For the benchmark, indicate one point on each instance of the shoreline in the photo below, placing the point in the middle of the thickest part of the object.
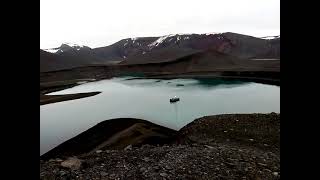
(49, 99)
(269, 81)
(131, 128)
(54, 86)
(113, 134)
(244, 145)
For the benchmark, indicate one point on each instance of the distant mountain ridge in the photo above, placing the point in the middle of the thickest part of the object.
(67, 47)
(144, 50)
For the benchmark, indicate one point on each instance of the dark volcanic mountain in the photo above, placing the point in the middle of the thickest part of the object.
(51, 62)
(66, 57)
(145, 50)
(54, 62)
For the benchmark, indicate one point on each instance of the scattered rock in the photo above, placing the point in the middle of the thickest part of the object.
(203, 156)
(72, 163)
(230, 164)
(268, 170)
(62, 173)
(59, 160)
(163, 174)
(129, 147)
(143, 169)
(102, 173)
(261, 164)
(146, 159)
(207, 146)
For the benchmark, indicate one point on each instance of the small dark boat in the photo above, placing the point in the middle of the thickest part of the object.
(175, 99)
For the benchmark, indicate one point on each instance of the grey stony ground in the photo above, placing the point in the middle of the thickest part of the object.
(200, 154)
(171, 162)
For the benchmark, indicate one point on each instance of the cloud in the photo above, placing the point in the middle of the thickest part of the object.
(99, 22)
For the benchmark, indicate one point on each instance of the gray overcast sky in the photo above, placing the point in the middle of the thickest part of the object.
(98, 23)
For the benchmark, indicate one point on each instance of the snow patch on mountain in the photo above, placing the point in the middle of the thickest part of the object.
(160, 40)
(212, 33)
(60, 49)
(134, 39)
(52, 50)
(270, 37)
(73, 45)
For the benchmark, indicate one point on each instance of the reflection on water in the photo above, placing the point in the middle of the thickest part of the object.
(149, 99)
(190, 83)
(220, 83)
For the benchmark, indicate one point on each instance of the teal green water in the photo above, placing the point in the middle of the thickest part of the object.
(149, 99)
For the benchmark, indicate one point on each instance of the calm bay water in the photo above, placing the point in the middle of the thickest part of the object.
(149, 99)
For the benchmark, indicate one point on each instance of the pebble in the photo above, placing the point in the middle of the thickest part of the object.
(129, 147)
(62, 173)
(72, 163)
(59, 160)
(268, 170)
(103, 173)
(163, 174)
(146, 159)
(261, 164)
(143, 169)
(207, 146)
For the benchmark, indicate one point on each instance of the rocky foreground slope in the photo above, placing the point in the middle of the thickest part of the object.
(236, 146)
